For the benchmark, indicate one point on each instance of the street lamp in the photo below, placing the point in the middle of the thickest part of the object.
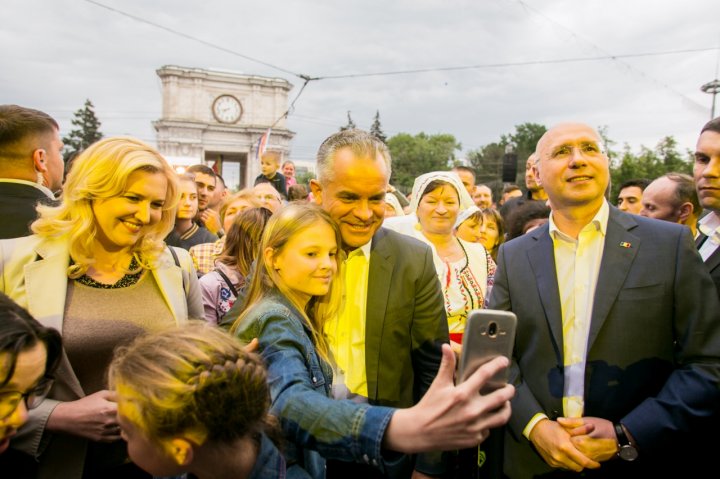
(713, 88)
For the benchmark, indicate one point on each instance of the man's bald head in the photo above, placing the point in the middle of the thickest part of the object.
(572, 166)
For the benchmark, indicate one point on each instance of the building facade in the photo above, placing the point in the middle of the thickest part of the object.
(217, 118)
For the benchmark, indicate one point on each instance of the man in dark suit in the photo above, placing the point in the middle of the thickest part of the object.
(707, 182)
(617, 351)
(31, 166)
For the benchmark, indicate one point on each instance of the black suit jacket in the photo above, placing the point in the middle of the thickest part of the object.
(712, 263)
(17, 208)
(653, 357)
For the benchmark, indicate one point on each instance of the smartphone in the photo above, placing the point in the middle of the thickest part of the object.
(488, 334)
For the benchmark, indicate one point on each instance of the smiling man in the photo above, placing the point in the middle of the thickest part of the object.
(386, 340)
(616, 356)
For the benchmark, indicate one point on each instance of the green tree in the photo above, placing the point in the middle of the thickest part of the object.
(650, 163)
(304, 178)
(376, 129)
(415, 155)
(86, 132)
(609, 144)
(524, 141)
(487, 162)
(350, 123)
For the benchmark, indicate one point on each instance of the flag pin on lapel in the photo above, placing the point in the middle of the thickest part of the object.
(625, 244)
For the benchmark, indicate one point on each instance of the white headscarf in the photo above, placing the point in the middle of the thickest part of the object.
(392, 200)
(422, 181)
(465, 214)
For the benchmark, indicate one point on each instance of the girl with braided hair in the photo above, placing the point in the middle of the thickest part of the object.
(192, 400)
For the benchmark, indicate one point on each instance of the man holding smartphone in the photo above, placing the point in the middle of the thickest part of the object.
(617, 352)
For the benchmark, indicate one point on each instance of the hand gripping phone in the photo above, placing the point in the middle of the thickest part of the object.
(488, 334)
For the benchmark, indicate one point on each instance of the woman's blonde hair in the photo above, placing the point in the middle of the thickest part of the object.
(102, 172)
(283, 225)
(195, 378)
(246, 194)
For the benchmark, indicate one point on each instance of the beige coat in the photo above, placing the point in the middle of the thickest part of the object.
(33, 272)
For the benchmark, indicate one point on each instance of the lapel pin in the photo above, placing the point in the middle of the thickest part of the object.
(625, 244)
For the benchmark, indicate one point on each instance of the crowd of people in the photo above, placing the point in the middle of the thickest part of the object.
(157, 324)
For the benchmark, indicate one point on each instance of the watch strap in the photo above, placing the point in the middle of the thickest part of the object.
(622, 438)
(626, 450)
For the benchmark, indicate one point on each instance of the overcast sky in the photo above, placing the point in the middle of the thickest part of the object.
(56, 53)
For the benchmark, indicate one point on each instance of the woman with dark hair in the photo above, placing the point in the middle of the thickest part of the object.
(29, 354)
(492, 231)
(220, 287)
(526, 217)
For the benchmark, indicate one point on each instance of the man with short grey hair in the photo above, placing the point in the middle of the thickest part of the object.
(386, 340)
(31, 166)
(672, 197)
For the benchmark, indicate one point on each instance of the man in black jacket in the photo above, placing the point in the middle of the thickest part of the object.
(31, 166)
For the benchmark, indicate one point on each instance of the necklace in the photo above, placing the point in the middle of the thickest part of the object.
(128, 279)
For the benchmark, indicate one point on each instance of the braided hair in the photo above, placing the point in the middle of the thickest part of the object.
(194, 378)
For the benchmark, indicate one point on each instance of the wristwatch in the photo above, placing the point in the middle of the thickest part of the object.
(626, 450)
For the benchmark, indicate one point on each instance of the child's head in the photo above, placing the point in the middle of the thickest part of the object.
(492, 231)
(242, 241)
(469, 224)
(300, 256)
(183, 388)
(270, 163)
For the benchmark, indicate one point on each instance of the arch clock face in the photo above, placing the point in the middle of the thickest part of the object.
(226, 109)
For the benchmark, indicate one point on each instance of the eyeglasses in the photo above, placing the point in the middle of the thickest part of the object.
(9, 400)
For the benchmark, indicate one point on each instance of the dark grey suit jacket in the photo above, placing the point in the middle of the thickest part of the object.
(404, 328)
(405, 320)
(653, 357)
(712, 263)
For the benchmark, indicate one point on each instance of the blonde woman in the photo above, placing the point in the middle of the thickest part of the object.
(97, 270)
(191, 400)
(295, 291)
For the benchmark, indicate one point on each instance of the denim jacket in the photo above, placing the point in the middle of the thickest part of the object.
(316, 426)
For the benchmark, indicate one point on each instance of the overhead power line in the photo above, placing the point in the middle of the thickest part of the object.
(616, 58)
(518, 63)
(199, 40)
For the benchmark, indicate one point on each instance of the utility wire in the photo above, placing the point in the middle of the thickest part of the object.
(196, 39)
(516, 64)
(717, 62)
(614, 57)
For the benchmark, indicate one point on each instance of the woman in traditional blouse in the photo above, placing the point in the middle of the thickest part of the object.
(97, 270)
(465, 269)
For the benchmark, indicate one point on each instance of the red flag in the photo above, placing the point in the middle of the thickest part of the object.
(262, 144)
